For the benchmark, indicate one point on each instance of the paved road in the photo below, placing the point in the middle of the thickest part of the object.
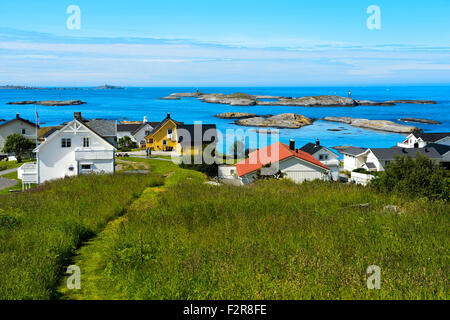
(7, 183)
(7, 171)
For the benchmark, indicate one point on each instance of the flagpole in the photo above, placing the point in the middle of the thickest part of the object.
(37, 120)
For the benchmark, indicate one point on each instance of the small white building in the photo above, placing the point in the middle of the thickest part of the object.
(17, 125)
(325, 156)
(375, 159)
(136, 131)
(73, 150)
(293, 163)
(422, 139)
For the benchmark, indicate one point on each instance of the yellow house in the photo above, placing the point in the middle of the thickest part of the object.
(163, 136)
(184, 139)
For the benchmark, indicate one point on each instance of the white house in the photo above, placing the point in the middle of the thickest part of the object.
(375, 159)
(421, 139)
(325, 156)
(17, 125)
(73, 150)
(354, 158)
(293, 163)
(136, 131)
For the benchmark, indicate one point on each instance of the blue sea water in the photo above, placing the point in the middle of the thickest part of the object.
(135, 103)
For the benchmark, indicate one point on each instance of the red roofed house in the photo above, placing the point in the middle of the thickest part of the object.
(295, 164)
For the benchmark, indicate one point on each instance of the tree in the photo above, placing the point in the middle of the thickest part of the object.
(419, 177)
(238, 149)
(18, 145)
(127, 143)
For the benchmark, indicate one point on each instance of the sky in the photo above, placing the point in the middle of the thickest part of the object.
(224, 43)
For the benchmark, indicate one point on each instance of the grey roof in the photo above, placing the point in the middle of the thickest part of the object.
(105, 128)
(354, 151)
(311, 148)
(20, 119)
(49, 132)
(187, 135)
(432, 136)
(391, 153)
(128, 127)
(440, 148)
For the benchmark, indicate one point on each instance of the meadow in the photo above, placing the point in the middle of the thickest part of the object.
(41, 229)
(269, 240)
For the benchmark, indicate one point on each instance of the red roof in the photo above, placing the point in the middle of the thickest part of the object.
(272, 154)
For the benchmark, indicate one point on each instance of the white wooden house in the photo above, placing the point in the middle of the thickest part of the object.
(325, 156)
(17, 125)
(73, 150)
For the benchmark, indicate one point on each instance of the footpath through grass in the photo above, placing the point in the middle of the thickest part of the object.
(268, 240)
(41, 229)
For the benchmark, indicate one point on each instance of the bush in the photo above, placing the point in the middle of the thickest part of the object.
(417, 178)
(127, 143)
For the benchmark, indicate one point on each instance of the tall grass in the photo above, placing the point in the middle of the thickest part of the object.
(272, 240)
(41, 229)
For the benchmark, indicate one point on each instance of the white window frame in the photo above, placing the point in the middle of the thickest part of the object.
(84, 140)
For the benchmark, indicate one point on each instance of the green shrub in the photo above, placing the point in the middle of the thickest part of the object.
(419, 177)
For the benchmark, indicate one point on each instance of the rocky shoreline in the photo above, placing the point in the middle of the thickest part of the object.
(380, 125)
(420, 120)
(56, 103)
(243, 99)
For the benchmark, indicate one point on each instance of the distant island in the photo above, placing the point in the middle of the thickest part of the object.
(50, 103)
(108, 87)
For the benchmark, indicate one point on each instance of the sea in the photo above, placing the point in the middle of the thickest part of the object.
(133, 103)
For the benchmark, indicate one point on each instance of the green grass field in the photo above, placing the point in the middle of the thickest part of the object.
(40, 230)
(168, 235)
(270, 240)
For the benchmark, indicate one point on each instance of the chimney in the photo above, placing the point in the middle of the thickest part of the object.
(17, 116)
(77, 116)
(168, 115)
(145, 119)
(292, 144)
(317, 142)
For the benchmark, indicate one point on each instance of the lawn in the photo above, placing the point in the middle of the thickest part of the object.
(4, 165)
(269, 240)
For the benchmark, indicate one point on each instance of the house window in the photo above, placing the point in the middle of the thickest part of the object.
(323, 157)
(86, 142)
(169, 131)
(164, 142)
(147, 132)
(86, 167)
(24, 131)
(66, 142)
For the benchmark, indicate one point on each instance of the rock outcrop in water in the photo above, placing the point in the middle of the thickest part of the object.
(244, 99)
(50, 103)
(285, 120)
(420, 120)
(381, 125)
(235, 115)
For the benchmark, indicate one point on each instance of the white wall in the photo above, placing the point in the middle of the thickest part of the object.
(54, 161)
(16, 126)
(227, 172)
(295, 169)
(140, 135)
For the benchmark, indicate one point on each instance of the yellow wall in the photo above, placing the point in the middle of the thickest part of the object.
(161, 135)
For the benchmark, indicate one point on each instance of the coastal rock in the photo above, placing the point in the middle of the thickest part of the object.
(313, 101)
(381, 125)
(50, 103)
(374, 103)
(419, 120)
(235, 115)
(186, 94)
(412, 101)
(285, 120)
(235, 99)
(169, 98)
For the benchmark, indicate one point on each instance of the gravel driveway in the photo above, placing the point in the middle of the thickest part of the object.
(6, 183)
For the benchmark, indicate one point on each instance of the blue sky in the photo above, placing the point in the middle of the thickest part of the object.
(224, 43)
